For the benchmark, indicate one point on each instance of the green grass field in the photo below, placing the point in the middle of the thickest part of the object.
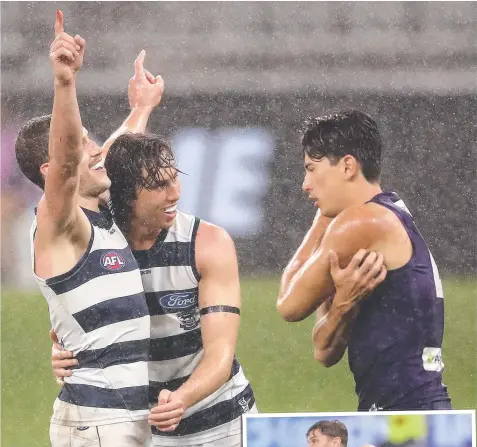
(276, 356)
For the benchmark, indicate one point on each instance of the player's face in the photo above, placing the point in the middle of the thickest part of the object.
(324, 186)
(93, 177)
(318, 439)
(156, 208)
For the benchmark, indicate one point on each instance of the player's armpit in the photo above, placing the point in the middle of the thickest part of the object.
(218, 286)
(352, 230)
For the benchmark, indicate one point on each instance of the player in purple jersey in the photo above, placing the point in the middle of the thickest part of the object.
(394, 336)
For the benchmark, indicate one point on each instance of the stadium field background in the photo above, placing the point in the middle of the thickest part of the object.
(276, 356)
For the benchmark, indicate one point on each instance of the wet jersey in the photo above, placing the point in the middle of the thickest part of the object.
(171, 281)
(99, 312)
(395, 345)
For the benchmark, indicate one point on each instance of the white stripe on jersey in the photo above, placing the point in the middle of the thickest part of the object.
(164, 326)
(123, 376)
(119, 333)
(100, 289)
(168, 278)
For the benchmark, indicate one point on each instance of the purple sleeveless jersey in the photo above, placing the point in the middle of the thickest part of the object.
(395, 345)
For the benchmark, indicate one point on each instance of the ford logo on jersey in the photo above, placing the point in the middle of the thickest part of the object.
(180, 300)
(112, 261)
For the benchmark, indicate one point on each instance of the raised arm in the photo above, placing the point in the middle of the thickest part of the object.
(349, 232)
(219, 301)
(144, 92)
(66, 132)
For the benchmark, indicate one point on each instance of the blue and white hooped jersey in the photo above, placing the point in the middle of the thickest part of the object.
(98, 310)
(171, 280)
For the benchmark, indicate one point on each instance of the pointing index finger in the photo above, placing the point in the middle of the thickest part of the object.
(139, 65)
(59, 22)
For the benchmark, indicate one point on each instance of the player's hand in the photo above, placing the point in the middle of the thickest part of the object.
(66, 52)
(144, 89)
(168, 413)
(61, 360)
(362, 275)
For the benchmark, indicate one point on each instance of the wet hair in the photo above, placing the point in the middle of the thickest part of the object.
(31, 148)
(349, 132)
(334, 429)
(134, 162)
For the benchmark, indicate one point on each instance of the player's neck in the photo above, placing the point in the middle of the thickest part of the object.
(364, 193)
(90, 203)
(141, 236)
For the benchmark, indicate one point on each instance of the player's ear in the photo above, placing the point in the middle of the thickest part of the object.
(350, 166)
(44, 169)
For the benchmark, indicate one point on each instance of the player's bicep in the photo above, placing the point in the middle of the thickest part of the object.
(61, 193)
(219, 292)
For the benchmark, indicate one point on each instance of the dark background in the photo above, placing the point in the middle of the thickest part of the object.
(429, 158)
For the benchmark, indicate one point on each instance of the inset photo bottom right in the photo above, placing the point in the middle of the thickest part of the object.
(386, 429)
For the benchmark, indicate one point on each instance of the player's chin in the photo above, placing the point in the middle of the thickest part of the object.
(102, 180)
(168, 220)
(99, 187)
(327, 212)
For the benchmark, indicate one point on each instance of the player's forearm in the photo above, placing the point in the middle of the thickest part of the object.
(66, 129)
(136, 122)
(211, 373)
(331, 334)
(310, 243)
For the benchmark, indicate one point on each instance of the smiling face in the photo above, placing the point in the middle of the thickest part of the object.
(156, 207)
(93, 177)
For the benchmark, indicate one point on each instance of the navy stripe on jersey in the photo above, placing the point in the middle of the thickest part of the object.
(103, 219)
(132, 398)
(171, 254)
(172, 385)
(112, 311)
(115, 354)
(172, 301)
(211, 417)
(175, 346)
(94, 267)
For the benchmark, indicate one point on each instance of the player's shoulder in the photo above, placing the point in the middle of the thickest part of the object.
(362, 219)
(214, 247)
(213, 234)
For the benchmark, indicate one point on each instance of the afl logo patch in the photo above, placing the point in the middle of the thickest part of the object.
(112, 261)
